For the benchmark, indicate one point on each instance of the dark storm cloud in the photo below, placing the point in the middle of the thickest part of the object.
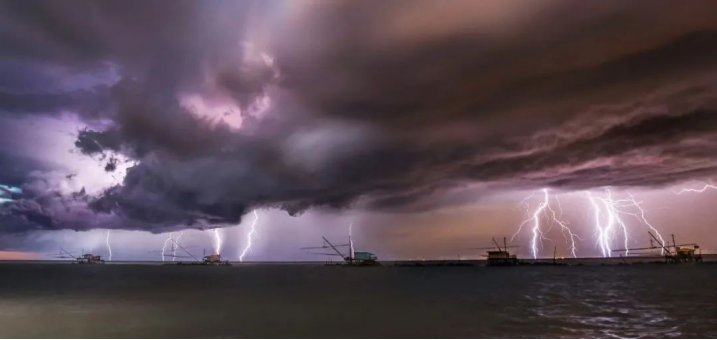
(386, 106)
(146, 122)
(38, 204)
(87, 103)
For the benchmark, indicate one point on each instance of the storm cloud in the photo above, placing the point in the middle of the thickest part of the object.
(217, 108)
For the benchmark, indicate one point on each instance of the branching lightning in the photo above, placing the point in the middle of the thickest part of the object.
(608, 214)
(545, 210)
(644, 220)
(699, 191)
(607, 211)
(170, 241)
(249, 237)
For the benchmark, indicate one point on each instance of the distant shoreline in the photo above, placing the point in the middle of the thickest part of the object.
(587, 261)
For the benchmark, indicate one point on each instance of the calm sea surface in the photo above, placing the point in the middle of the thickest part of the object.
(63, 300)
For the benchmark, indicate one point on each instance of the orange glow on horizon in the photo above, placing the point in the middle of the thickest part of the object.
(17, 255)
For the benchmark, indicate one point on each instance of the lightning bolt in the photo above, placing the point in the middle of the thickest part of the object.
(608, 218)
(704, 188)
(109, 248)
(164, 247)
(174, 249)
(217, 241)
(604, 246)
(644, 220)
(248, 237)
(545, 210)
(351, 242)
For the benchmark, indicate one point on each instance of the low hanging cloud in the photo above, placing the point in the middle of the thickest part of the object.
(392, 116)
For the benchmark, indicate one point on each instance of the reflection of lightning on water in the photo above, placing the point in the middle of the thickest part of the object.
(249, 236)
(217, 241)
(608, 218)
(545, 210)
(109, 248)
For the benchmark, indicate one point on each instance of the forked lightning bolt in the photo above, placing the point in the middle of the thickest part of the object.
(608, 214)
(699, 191)
(249, 236)
(607, 217)
(545, 210)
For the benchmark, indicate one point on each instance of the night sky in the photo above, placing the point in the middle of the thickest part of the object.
(424, 124)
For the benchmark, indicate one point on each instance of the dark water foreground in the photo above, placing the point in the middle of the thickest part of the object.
(62, 300)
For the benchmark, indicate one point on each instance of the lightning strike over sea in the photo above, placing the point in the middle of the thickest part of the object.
(164, 246)
(217, 241)
(249, 236)
(568, 140)
(608, 218)
(174, 249)
(545, 210)
(109, 247)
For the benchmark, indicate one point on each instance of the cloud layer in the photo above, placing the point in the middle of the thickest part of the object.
(216, 108)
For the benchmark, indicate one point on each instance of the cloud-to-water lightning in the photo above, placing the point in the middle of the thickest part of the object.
(544, 210)
(109, 248)
(351, 242)
(217, 241)
(608, 217)
(164, 246)
(174, 249)
(249, 236)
